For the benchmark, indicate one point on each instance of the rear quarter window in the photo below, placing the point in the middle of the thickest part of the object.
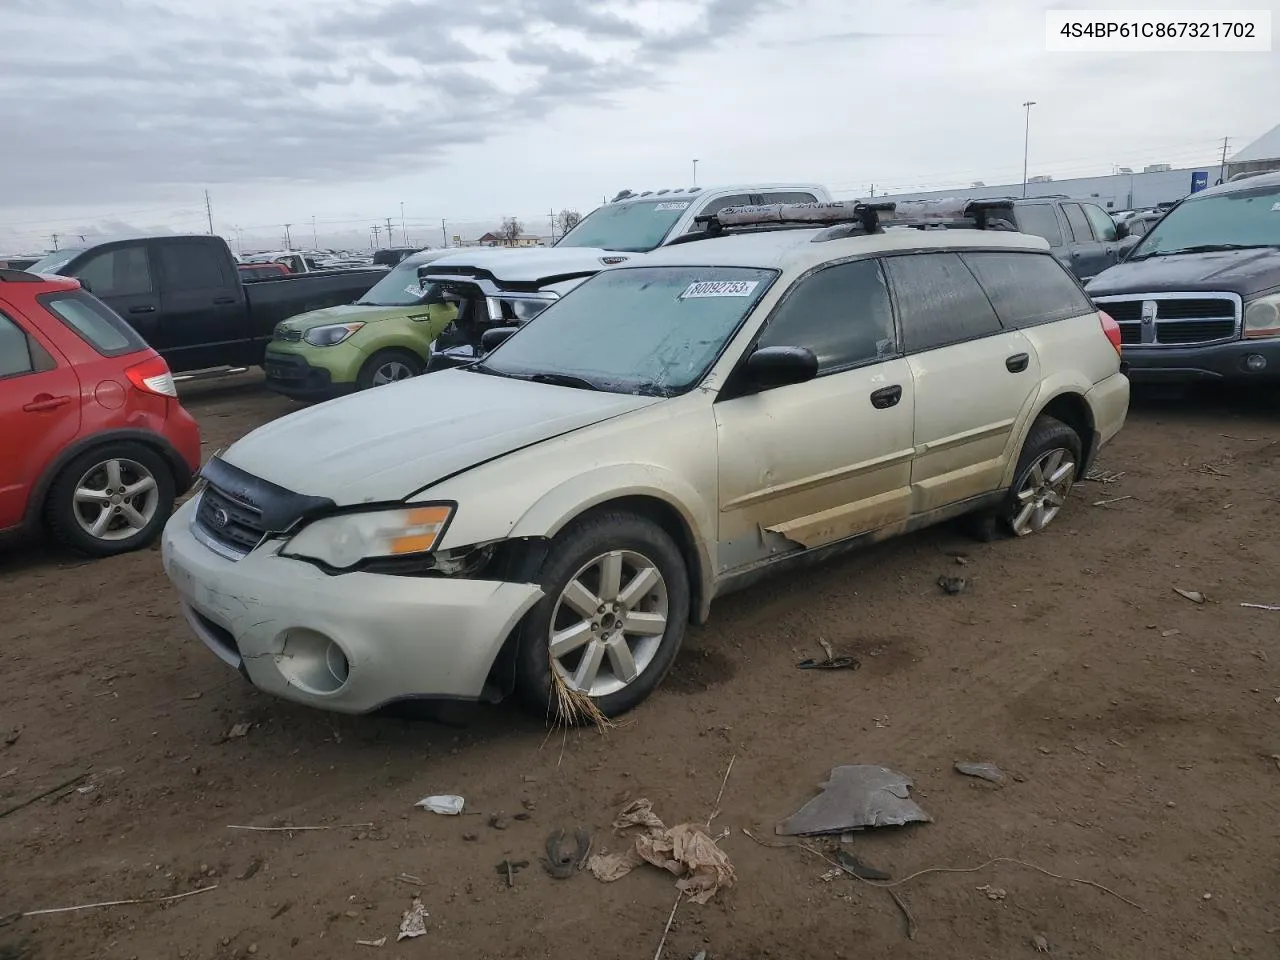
(1028, 289)
(93, 322)
(1039, 220)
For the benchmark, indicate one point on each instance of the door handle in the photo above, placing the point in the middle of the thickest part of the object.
(142, 309)
(886, 397)
(45, 401)
(1017, 363)
(223, 301)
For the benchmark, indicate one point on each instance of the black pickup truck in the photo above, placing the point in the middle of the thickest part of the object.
(184, 295)
(1198, 298)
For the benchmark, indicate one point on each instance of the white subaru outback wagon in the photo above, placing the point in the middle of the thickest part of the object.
(554, 516)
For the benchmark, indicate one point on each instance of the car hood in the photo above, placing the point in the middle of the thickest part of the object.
(347, 313)
(385, 444)
(1248, 273)
(534, 265)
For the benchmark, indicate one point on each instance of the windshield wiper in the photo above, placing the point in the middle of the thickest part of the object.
(1205, 248)
(563, 380)
(479, 366)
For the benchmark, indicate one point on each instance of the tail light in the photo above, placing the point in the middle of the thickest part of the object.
(153, 376)
(1111, 329)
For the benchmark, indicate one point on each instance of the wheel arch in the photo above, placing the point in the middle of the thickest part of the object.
(1070, 407)
(183, 477)
(666, 508)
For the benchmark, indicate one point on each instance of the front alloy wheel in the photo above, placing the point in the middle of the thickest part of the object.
(608, 622)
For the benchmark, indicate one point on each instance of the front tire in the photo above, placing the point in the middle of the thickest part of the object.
(389, 366)
(611, 621)
(110, 500)
(1047, 469)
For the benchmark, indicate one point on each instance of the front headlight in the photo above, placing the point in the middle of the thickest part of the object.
(330, 334)
(1262, 317)
(347, 539)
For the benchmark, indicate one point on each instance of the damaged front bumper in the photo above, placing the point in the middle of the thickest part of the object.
(349, 643)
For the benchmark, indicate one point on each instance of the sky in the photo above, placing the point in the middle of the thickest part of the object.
(330, 115)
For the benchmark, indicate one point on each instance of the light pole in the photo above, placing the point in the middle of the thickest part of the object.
(404, 231)
(288, 239)
(1026, 145)
(695, 173)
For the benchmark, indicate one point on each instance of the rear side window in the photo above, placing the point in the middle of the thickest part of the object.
(843, 314)
(939, 301)
(122, 272)
(1104, 228)
(1028, 288)
(1040, 220)
(15, 350)
(93, 322)
(191, 266)
(1078, 222)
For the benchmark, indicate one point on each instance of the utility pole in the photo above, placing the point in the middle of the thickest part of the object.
(315, 240)
(377, 230)
(873, 191)
(288, 238)
(390, 235)
(695, 173)
(444, 234)
(1222, 175)
(55, 243)
(553, 225)
(208, 209)
(1026, 145)
(239, 242)
(404, 230)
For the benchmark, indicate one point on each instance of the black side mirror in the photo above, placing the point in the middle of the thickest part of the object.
(84, 285)
(495, 337)
(780, 366)
(1122, 230)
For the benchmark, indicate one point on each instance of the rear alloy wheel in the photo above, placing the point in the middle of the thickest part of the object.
(1047, 469)
(111, 500)
(611, 621)
(1044, 491)
(389, 366)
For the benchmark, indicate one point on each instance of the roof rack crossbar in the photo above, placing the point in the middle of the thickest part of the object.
(868, 217)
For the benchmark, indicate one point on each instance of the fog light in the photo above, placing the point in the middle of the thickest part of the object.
(312, 661)
(1255, 362)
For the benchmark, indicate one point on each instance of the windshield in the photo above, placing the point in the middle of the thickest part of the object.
(1244, 218)
(54, 262)
(630, 227)
(399, 288)
(649, 330)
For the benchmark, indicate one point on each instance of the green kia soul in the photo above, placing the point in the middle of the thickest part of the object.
(384, 336)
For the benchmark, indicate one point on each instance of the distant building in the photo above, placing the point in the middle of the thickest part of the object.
(1124, 190)
(492, 239)
(1261, 156)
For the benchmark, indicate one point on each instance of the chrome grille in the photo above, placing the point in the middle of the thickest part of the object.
(233, 525)
(1174, 319)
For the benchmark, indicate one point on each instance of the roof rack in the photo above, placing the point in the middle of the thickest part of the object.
(849, 218)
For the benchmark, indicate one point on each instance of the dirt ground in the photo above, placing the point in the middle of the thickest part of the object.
(1140, 732)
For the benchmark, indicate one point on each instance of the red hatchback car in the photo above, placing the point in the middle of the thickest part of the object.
(94, 445)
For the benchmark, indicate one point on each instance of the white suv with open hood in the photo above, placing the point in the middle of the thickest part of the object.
(551, 518)
(499, 286)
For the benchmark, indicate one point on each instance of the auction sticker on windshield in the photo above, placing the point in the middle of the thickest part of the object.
(719, 288)
(683, 205)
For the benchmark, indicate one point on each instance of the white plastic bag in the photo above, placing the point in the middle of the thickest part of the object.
(446, 804)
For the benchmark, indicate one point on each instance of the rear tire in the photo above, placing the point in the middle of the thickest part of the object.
(617, 602)
(110, 500)
(389, 366)
(1035, 499)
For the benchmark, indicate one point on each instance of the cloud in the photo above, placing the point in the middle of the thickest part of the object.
(138, 94)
